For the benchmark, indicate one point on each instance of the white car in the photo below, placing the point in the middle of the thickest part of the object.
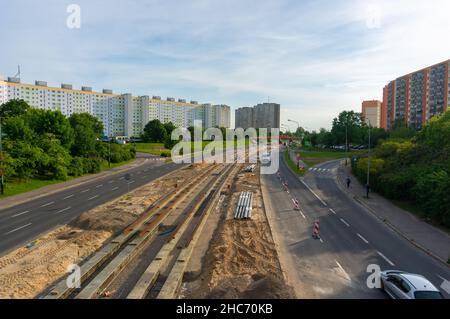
(402, 285)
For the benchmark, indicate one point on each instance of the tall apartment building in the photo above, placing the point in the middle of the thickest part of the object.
(265, 115)
(216, 115)
(243, 118)
(416, 97)
(371, 112)
(121, 114)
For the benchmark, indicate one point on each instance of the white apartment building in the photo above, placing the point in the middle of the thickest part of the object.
(121, 114)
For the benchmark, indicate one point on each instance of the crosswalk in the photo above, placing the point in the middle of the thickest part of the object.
(320, 170)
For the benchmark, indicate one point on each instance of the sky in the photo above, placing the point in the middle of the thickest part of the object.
(315, 58)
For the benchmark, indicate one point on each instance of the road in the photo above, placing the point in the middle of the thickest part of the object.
(351, 238)
(24, 222)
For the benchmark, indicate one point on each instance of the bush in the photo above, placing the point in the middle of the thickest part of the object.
(165, 154)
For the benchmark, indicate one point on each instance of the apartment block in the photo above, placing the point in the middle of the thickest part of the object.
(371, 113)
(121, 114)
(244, 118)
(264, 115)
(416, 97)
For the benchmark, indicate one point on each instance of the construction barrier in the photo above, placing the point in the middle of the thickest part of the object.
(316, 234)
(296, 204)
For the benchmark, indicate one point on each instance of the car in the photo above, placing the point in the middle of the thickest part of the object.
(403, 285)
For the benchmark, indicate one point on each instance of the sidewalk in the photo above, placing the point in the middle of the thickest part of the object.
(54, 188)
(432, 240)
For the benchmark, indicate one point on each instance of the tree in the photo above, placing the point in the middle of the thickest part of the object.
(169, 128)
(54, 122)
(13, 108)
(87, 130)
(16, 128)
(155, 132)
(350, 122)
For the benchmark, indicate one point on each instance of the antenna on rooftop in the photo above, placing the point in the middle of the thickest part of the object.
(18, 72)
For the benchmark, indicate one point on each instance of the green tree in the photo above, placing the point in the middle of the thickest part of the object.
(13, 108)
(350, 122)
(87, 132)
(154, 132)
(16, 128)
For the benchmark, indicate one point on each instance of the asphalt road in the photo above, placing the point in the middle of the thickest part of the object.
(25, 222)
(351, 237)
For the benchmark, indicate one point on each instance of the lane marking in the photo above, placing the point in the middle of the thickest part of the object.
(63, 210)
(342, 269)
(309, 188)
(27, 211)
(362, 238)
(131, 182)
(122, 177)
(86, 190)
(115, 188)
(321, 240)
(92, 197)
(345, 223)
(68, 196)
(111, 182)
(385, 258)
(19, 228)
(303, 215)
(98, 186)
(331, 210)
(48, 204)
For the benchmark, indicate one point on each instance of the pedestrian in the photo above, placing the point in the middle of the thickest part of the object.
(348, 182)
(367, 190)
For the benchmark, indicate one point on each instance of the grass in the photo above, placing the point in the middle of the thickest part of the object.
(16, 187)
(312, 158)
(292, 165)
(151, 148)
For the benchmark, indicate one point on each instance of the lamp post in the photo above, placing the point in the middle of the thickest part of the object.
(368, 166)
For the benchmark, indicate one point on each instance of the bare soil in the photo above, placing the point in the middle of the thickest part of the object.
(241, 260)
(27, 271)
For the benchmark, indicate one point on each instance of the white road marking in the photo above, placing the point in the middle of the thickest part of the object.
(131, 182)
(92, 197)
(86, 190)
(98, 186)
(321, 240)
(19, 228)
(385, 258)
(27, 211)
(48, 204)
(115, 188)
(342, 269)
(63, 210)
(325, 204)
(303, 215)
(331, 210)
(111, 182)
(68, 196)
(345, 223)
(362, 238)
(122, 177)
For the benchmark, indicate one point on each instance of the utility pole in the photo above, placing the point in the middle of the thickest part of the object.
(346, 135)
(368, 167)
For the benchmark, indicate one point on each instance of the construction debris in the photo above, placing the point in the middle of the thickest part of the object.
(244, 206)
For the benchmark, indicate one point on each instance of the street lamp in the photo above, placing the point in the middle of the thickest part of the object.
(368, 165)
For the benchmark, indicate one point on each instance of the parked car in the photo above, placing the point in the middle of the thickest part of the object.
(403, 285)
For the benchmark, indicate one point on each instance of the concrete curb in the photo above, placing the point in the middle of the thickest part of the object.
(390, 225)
(63, 188)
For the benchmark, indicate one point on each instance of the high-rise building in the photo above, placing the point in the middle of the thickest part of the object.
(244, 118)
(265, 115)
(416, 97)
(371, 113)
(121, 114)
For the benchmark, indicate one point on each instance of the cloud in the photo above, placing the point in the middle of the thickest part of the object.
(315, 58)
